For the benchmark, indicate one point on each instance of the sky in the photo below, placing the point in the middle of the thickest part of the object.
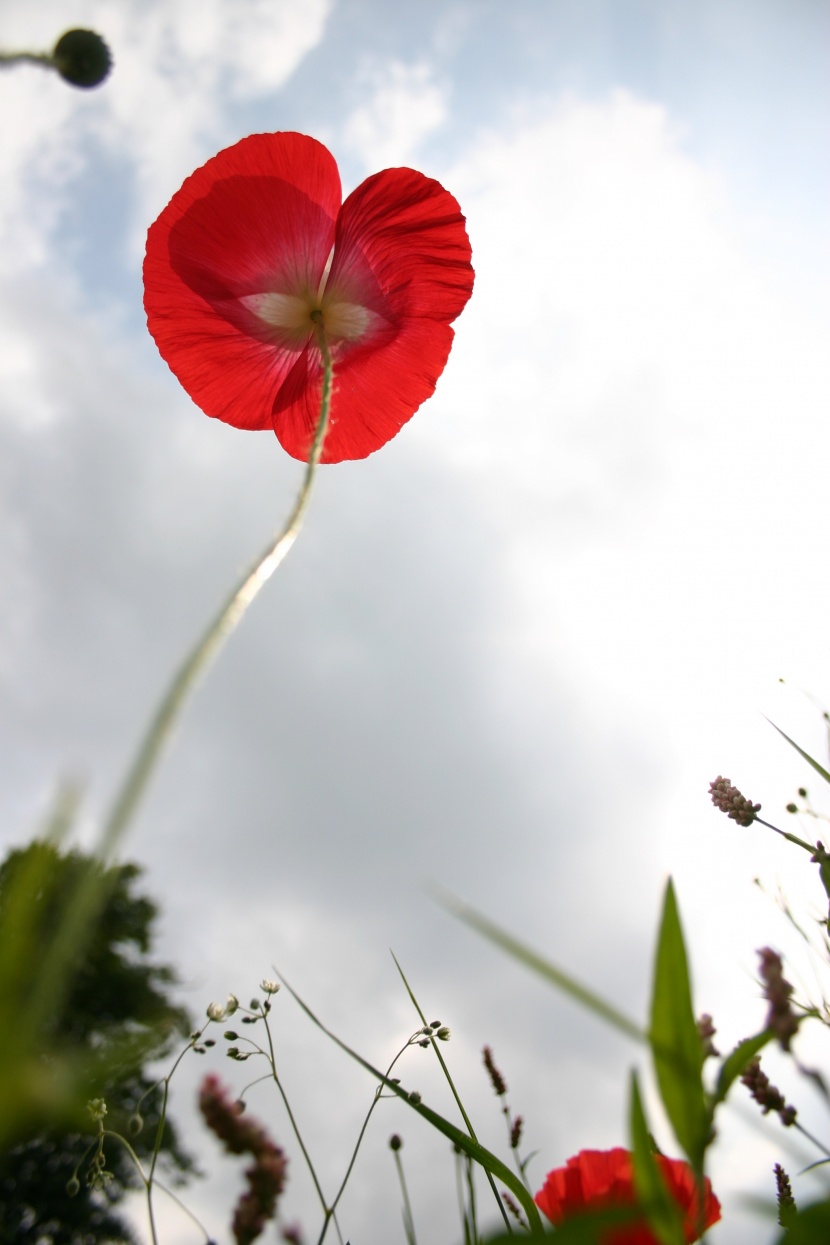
(511, 649)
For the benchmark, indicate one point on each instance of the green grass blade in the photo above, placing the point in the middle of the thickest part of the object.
(810, 760)
(437, 1051)
(541, 966)
(736, 1062)
(675, 1041)
(490, 1162)
(656, 1201)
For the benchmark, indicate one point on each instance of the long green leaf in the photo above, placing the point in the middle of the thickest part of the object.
(658, 1206)
(810, 760)
(736, 1063)
(675, 1041)
(538, 964)
(437, 1052)
(490, 1162)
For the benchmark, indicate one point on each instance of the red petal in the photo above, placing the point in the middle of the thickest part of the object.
(402, 250)
(258, 216)
(409, 231)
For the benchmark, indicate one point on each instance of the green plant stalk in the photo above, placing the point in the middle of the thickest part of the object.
(328, 1211)
(490, 1162)
(451, 1084)
(54, 974)
(375, 1100)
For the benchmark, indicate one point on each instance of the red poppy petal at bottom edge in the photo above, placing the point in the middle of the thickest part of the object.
(374, 395)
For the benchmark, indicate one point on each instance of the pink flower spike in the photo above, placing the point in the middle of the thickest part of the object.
(255, 247)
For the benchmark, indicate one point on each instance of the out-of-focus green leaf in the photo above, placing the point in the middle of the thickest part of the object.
(585, 1228)
(736, 1062)
(657, 1203)
(538, 964)
(675, 1041)
(811, 1226)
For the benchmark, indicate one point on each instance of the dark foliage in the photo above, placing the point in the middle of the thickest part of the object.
(116, 993)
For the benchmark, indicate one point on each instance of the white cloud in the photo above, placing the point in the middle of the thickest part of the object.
(405, 105)
(496, 638)
(179, 67)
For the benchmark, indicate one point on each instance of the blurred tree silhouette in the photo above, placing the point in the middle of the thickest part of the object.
(117, 1007)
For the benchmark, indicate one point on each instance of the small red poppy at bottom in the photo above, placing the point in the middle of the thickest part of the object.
(604, 1179)
(256, 252)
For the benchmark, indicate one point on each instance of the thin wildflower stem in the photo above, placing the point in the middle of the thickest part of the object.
(785, 834)
(468, 1122)
(26, 58)
(408, 1221)
(375, 1100)
(220, 627)
(328, 1211)
(91, 893)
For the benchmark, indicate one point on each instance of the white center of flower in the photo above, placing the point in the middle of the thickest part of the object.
(291, 316)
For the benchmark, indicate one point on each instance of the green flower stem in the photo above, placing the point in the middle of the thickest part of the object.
(220, 628)
(26, 58)
(78, 926)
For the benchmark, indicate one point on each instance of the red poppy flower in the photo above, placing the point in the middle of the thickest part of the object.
(255, 241)
(603, 1179)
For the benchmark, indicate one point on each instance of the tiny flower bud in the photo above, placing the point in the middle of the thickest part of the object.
(802, 792)
(255, 1005)
(231, 1005)
(215, 1011)
(792, 808)
(73, 1186)
(136, 1124)
(443, 1034)
(230, 1035)
(415, 1097)
(82, 58)
(395, 1142)
(97, 1108)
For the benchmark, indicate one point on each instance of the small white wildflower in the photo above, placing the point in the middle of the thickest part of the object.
(269, 987)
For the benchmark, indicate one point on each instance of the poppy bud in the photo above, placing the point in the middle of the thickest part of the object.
(82, 58)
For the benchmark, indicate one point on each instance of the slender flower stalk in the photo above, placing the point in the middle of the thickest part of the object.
(79, 923)
(220, 628)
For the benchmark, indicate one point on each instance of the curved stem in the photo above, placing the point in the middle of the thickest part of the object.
(219, 629)
(79, 922)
